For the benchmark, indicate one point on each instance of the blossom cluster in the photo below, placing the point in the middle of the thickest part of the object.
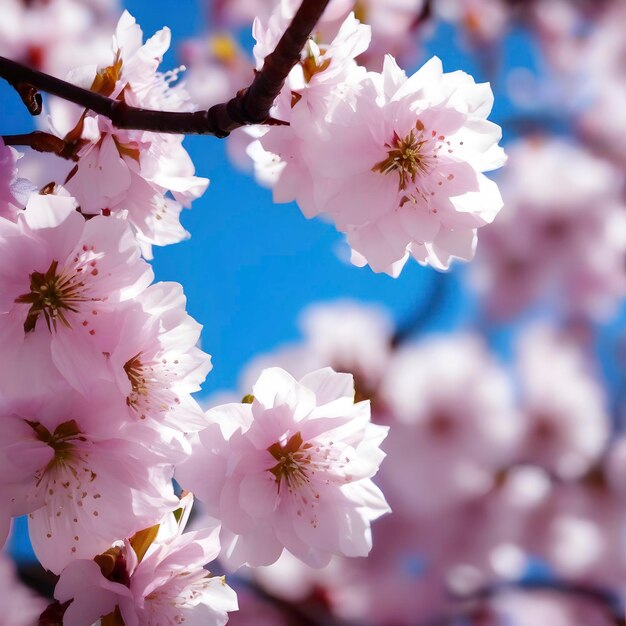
(99, 364)
(490, 472)
(396, 162)
(503, 478)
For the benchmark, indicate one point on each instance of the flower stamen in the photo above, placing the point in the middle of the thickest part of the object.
(293, 459)
(406, 156)
(52, 294)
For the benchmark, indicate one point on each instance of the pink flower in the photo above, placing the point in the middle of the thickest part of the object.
(400, 166)
(290, 470)
(567, 424)
(308, 95)
(549, 243)
(144, 177)
(396, 162)
(168, 585)
(67, 462)
(60, 276)
(454, 423)
(156, 363)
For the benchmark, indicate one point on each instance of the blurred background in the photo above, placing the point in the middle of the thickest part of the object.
(502, 380)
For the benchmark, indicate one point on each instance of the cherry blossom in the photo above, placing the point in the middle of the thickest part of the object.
(549, 242)
(411, 182)
(566, 423)
(398, 165)
(146, 178)
(163, 584)
(310, 91)
(156, 363)
(290, 470)
(60, 276)
(455, 424)
(67, 462)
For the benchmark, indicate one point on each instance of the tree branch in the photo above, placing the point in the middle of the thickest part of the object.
(41, 142)
(249, 106)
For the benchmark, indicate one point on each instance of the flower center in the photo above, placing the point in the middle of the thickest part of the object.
(312, 64)
(53, 295)
(61, 440)
(406, 156)
(135, 371)
(106, 78)
(293, 461)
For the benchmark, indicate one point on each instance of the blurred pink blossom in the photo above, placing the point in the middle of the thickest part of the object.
(453, 423)
(566, 421)
(562, 233)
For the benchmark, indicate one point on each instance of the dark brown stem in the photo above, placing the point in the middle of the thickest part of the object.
(42, 142)
(249, 106)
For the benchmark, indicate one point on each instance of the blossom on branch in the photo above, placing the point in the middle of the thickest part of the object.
(396, 162)
(146, 178)
(400, 166)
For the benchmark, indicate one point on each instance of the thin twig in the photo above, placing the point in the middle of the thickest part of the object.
(41, 142)
(249, 106)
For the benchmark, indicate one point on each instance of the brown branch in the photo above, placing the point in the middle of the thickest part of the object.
(41, 142)
(249, 106)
